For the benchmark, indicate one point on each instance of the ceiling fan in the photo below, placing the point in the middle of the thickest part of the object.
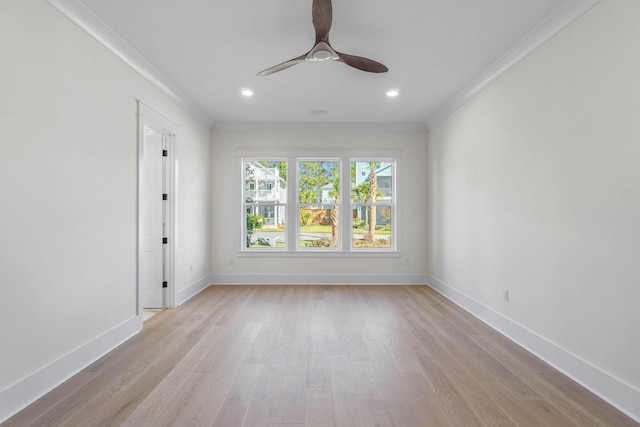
(322, 50)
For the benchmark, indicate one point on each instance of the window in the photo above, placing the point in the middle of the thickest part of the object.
(338, 201)
(318, 203)
(372, 203)
(265, 204)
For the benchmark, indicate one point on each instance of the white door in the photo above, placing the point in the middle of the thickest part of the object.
(152, 268)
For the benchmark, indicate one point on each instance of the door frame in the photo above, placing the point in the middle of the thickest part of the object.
(147, 117)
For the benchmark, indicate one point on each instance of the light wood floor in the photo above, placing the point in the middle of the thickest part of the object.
(319, 356)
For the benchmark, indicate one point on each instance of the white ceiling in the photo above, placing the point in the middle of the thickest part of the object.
(439, 53)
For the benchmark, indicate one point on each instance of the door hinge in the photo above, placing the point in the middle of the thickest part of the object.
(165, 196)
(165, 240)
(165, 153)
(165, 284)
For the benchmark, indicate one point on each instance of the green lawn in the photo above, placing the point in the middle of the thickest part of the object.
(278, 245)
(322, 229)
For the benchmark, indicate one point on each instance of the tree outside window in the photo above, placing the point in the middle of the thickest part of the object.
(328, 214)
(372, 200)
(318, 203)
(265, 204)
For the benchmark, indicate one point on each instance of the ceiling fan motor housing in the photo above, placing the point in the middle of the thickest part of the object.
(322, 16)
(322, 51)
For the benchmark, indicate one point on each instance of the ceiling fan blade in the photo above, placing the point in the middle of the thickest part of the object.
(322, 15)
(361, 63)
(283, 66)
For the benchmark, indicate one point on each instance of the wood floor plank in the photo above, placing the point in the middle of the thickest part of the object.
(174, 383)
(319, 407)
(292, 400)
(451, 399)
(367, 384)
(74, 394)
(346, 408)
(410, 399)
(113, 404)
(529, 412)
(319, 355)
(264, 405)
(318, 373)
(578, 406)
(200, 399)
(53, 406)
(376, 413)
(236, 404)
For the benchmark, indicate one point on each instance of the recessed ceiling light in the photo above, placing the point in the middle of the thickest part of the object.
(247, 92)
(392, 93)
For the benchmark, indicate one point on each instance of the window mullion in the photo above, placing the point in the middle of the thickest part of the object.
(349, 239)
(345, 202)
(293, 222)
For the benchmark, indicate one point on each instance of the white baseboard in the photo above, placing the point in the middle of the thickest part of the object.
(622, 396)
(192, 290)
(17, 396)
(318, 279)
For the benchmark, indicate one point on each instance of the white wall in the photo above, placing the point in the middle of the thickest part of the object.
(68, 185)
(193, 213)
(534, 186)
(225, 191)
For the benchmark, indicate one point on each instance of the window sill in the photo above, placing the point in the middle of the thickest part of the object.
(266, 253)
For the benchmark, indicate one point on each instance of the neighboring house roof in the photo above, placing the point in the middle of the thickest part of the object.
(383, 173)
(385, 169)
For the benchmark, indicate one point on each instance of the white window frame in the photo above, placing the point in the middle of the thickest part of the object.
(275, 205)
(345, 157)
(392, 204)
(339, 203)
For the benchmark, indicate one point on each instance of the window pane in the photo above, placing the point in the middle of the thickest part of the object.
(371, 226)
(319, 210)
(265, 196)
(371, 181)
(318, 197)
(266, 226)
(319, 226)
(265, 181)
(318, 182)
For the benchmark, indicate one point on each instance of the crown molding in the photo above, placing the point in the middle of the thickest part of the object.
(78, 13)
(565, 14)
(85, 19)
(287, 126)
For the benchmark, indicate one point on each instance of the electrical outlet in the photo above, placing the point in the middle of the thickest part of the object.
(505, 294)
(406, 261)
(230, 261)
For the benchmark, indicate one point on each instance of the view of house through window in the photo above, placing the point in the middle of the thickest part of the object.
(318, 198)
(371, 193)
(328, 211)
(265, 203)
